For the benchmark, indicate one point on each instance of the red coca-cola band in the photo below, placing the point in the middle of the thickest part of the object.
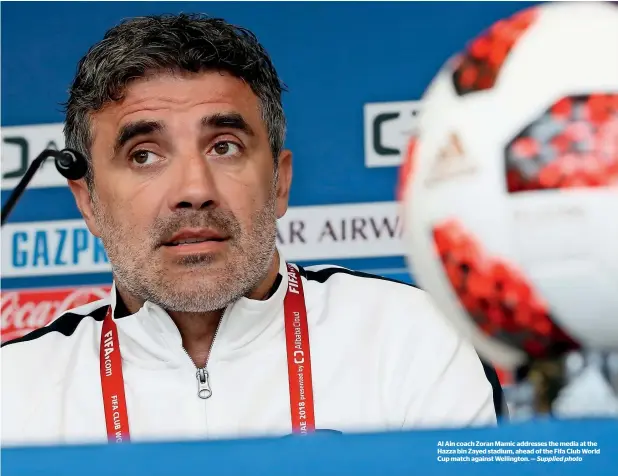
(298, 356)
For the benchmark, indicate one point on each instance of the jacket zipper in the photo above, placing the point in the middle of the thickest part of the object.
(203, 384)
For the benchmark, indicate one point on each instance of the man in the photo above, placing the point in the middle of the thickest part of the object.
(208, 332)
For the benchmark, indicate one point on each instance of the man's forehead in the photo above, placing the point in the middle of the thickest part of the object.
(179, 92)
(155, 96)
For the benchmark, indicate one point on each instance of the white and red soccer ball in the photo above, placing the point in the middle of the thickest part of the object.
(510, 188)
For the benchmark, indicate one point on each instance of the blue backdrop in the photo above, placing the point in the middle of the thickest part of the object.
(334, 58)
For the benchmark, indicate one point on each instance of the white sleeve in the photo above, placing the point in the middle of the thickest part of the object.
(446, 382)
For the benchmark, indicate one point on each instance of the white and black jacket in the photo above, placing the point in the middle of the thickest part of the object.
(382, 356)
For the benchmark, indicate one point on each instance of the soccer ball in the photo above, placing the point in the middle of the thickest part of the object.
(509, 190)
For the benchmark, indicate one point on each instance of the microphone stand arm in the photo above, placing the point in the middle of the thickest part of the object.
(68, 162)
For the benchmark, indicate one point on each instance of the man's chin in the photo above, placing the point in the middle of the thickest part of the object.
(197, 294)
(199, 260)
(191, 270)
(177, 261)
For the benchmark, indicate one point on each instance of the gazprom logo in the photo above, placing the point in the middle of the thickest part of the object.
(51, 248)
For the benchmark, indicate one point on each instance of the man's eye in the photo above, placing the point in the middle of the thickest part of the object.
(143, 157)
(225, 149)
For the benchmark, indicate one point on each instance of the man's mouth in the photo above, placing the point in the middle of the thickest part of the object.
(190, 241)
(192, 236)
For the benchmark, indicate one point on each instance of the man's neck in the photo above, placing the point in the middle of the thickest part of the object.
(198, 328)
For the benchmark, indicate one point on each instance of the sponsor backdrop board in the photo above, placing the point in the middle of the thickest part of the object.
(355, 74)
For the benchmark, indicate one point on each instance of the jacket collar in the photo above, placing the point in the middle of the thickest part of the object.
(150, 338)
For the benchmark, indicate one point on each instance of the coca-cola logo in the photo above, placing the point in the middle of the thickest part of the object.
(25, 311)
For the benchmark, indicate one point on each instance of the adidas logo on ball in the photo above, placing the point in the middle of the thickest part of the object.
(451, 161)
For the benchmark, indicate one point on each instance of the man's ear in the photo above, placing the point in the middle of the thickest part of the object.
(84, 203)
(284, 181)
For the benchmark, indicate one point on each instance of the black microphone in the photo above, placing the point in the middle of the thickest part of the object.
(70, 163)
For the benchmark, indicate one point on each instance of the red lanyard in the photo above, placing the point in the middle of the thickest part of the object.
(298, 355)
(112, 383)
(299, 358)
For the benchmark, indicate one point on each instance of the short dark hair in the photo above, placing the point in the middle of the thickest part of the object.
(186, 42)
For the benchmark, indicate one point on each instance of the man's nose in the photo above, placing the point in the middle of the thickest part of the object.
(195, 185)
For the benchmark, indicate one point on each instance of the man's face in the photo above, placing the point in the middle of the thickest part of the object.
(185, 194)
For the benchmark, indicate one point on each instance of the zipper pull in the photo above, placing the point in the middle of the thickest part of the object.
(203, 387)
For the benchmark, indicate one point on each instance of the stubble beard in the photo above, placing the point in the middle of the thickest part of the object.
(198, 283)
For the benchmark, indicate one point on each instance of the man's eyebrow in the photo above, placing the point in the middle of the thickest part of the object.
(230, 120)
(135, 129)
